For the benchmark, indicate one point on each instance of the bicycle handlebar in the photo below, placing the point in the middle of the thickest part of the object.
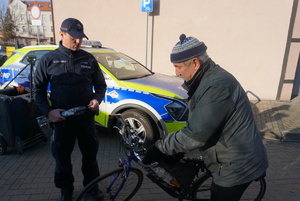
(115, 115)
(130, 136)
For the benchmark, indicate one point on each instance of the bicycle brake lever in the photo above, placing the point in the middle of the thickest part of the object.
(116, 127)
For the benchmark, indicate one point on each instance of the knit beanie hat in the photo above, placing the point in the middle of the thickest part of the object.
(187, 48)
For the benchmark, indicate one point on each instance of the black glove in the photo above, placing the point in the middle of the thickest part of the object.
(153, 155)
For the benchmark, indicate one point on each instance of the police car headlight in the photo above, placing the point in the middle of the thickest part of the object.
(178, 111)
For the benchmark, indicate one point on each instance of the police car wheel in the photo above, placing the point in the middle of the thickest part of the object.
(143, 123)
(3, 146)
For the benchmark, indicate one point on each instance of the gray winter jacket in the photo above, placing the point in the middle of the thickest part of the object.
(222, 126)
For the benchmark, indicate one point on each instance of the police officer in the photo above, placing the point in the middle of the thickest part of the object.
(72, 73)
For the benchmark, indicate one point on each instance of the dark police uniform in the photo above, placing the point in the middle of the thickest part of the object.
(72, 76)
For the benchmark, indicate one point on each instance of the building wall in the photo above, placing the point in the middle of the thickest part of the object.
(247, 38)
(46, 27)
(21, 14)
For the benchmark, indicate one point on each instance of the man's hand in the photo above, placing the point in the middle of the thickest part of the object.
(55, 115)
(93, 105)
(153, 155)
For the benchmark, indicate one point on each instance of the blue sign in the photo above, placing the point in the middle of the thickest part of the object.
(147, 5)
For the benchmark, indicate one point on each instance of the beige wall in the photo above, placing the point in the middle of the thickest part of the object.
(248, 38)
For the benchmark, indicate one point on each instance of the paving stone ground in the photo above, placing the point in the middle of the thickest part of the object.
(29, 176)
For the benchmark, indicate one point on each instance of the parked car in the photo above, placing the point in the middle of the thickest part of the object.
(152, 102)
(3, 57)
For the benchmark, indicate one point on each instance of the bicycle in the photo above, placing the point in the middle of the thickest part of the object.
(125, 181)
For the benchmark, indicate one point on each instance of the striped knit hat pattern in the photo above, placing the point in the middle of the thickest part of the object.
(187, 48)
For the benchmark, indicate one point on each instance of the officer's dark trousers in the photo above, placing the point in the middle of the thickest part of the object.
(62, 144)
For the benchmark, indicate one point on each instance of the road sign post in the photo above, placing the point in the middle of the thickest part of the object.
(35, 14)
(147, 5)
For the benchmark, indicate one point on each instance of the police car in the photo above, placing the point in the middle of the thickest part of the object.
(152, 103)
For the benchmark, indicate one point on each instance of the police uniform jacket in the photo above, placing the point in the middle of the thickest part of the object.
(74, 76)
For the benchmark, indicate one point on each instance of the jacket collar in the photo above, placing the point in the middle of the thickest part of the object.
(193, 83)
(65, 50)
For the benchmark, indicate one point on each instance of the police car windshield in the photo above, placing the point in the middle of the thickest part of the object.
(122, 66)
(38, 54)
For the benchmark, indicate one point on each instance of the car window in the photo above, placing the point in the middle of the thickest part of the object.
(105, 75)
(37, 53)
(12, 54)
(122, 66)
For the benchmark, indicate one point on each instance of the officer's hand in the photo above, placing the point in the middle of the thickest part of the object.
(55, 115)
(93, 105)
(153, 155)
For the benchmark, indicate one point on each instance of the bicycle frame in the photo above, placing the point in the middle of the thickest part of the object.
(133, 155)
(126, 164)
(132, 141)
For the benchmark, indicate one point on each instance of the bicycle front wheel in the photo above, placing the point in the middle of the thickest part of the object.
(115, 186)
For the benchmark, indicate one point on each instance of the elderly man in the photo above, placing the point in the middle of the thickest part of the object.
(220, 124)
